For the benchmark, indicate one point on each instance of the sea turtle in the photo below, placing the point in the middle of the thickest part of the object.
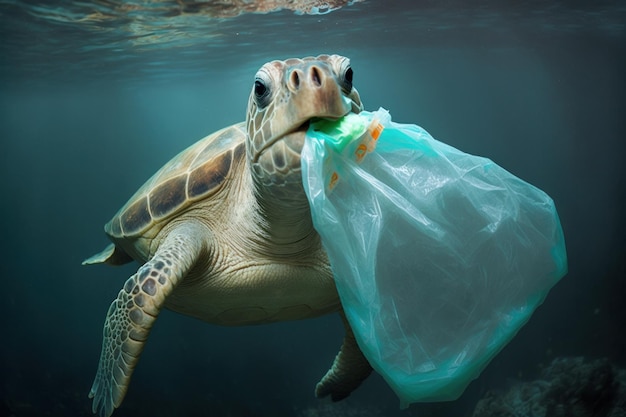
(224, 230)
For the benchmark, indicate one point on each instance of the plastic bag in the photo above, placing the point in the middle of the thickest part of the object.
(439, 256)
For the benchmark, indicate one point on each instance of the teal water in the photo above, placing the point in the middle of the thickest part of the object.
(96, 96)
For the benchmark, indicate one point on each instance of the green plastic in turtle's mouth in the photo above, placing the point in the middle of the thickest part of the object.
(301, 128)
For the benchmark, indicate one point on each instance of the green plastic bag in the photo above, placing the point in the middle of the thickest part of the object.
(439, 257)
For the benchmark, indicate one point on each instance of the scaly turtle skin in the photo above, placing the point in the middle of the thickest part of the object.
(224, 230)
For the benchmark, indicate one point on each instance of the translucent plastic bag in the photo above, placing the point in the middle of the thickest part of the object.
(439, 256)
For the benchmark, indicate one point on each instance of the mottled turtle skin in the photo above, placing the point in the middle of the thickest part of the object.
(224, 230)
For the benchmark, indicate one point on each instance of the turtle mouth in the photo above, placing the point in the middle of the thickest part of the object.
(302, 128)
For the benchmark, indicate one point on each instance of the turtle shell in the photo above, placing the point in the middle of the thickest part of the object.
(197, 173)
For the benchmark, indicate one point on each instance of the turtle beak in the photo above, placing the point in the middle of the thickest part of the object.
(336, 114)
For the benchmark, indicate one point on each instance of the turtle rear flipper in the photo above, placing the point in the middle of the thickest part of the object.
(135, 310)
(111, 255)
(349, 369)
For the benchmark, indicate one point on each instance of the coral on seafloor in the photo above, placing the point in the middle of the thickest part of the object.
(568, 387)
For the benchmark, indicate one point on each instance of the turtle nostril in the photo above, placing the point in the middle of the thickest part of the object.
(295, 80)
(315, 76)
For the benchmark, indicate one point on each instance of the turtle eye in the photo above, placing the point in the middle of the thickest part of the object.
(346, 76)
(261, 93)
(259, 88)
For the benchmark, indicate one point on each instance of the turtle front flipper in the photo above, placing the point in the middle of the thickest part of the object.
(349, 369)
(133, 313)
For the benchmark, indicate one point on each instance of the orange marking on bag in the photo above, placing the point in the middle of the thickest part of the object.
(333, 180)
(377, 130)
(360, 152)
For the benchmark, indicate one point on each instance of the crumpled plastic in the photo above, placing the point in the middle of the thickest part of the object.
(439, 257)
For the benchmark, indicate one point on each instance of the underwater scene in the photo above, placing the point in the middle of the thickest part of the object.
(97, 96)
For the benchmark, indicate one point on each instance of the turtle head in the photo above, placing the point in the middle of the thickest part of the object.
(285, 97)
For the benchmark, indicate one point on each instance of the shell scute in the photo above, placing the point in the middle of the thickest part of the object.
(224, 140)
(135, 217)
(207, 178)
(114, 227)
(168, 196)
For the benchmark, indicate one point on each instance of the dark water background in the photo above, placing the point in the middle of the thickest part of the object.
(88, 111)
